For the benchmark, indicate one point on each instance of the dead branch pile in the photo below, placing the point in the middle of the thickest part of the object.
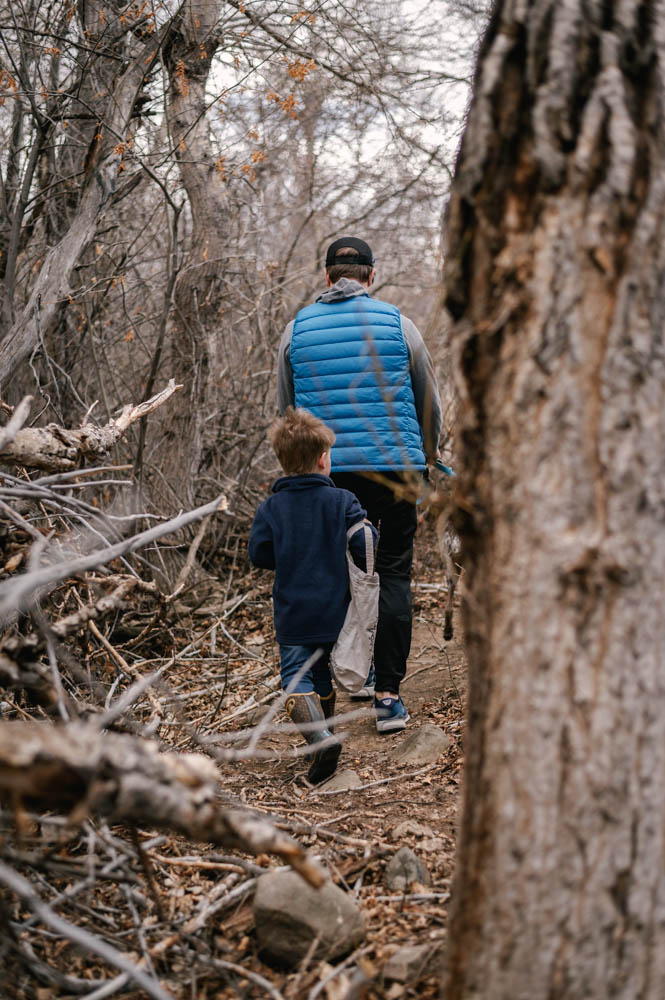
(84, 771)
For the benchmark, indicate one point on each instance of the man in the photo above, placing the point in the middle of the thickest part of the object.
(362, 368)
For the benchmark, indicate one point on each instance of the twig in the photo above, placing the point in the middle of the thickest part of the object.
(199, 920)
(248, 652)
(57, 680)
(146, 866)
(220, 700)
(422, 670)
(380, 846)
(190, 862)
(373, 784)
(18, 418)
(189, 561)
(418, 897)
(108, 989)
(47, 974)
(20, 521)
(218, 899)
(292, 990)
(321, 985)
(254, 977)
(129, 671)
(119, 660)
(89, 942)
(88, 612)
(131, 695)
(15, 592)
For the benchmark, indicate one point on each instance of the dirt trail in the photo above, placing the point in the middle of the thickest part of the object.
(353, 831)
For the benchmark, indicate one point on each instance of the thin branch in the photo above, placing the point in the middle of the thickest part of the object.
(15, 593)
(89, 942)
(18, 418)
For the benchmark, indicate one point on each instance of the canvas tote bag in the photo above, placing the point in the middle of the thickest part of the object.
(351, 656)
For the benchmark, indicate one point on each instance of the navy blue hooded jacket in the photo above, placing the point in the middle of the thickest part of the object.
(300, 532)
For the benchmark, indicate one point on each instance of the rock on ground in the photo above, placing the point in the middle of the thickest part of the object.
(412, 962)
(404, 869)
(410, 826)
(289, 915)
(341, 781)
(423, 746)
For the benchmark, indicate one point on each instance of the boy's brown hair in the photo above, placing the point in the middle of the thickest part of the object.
(299, 439)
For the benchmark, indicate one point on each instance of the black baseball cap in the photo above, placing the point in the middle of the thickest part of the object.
(365, 255)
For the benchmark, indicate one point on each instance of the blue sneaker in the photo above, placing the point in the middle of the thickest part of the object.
(367, 690)
(391, 715)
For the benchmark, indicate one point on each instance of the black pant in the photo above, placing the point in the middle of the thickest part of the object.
(396, 523)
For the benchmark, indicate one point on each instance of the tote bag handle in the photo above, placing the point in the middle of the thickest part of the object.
(369, 543)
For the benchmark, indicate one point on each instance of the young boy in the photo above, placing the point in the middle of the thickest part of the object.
(300, 531)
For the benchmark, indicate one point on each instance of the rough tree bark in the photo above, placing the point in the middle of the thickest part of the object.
(199, 289)
(554, 278)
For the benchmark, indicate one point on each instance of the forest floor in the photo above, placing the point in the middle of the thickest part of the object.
(225, 685)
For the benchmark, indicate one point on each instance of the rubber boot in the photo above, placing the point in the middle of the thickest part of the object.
(306, 708)
(328, 706)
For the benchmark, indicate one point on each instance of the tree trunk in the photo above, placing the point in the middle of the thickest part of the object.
(35, 323)
(200, 287)
(554, 278)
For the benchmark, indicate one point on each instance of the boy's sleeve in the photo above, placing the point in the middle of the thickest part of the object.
(356, 515)
(261, 548)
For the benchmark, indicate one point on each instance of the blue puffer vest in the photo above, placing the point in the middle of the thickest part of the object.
(351, 369)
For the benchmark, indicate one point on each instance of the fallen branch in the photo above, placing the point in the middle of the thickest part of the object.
(125, 779)
(89, 942)
(59, 448)
(87, 613)
(15, 592)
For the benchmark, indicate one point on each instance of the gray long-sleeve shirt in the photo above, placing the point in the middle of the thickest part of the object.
(423, 380)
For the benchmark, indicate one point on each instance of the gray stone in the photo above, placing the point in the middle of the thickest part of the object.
(423, 746)
(433, 846)
(412, 962)
(410, 826)
(404, 869)
(341, 781)
(289, 915)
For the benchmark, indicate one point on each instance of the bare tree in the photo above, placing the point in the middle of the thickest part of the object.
(554, 258)
(171, 176)
(171, 179)
(118, 92)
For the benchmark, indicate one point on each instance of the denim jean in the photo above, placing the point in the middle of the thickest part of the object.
(397, 522)
(317, 676)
